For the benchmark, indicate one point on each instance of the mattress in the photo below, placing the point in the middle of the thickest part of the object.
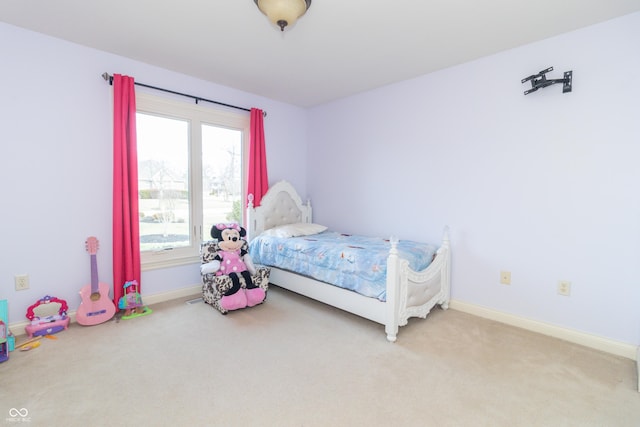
(357, 263)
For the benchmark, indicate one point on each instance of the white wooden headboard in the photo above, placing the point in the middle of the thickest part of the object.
(279, 206)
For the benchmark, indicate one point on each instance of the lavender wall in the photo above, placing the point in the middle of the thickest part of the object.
(543, 185)
(56, 165)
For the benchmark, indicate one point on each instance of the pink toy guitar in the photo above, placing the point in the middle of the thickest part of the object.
(96, 306)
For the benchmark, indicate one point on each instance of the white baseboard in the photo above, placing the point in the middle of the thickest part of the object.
(18, 327)
(592, 341)
(174, 294)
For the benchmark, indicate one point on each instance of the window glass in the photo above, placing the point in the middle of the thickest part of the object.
(191, 169)
(163, 182)
(221, 175)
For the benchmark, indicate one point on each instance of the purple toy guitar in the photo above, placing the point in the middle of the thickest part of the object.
(96, 306)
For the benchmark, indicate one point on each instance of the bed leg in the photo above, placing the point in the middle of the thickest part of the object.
(392, 332)
(393, 291)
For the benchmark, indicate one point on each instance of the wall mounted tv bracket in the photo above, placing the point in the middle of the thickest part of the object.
(540, 80)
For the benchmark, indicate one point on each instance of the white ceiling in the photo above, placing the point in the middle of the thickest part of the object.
(339, 48)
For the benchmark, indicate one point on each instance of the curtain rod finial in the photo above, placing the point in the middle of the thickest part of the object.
(107, 77)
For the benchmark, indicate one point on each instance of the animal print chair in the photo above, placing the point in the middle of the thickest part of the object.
(214, 286)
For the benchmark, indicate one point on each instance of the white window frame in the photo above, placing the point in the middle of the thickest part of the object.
(196, 115)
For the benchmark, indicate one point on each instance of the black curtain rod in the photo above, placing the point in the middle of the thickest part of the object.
(109, 79)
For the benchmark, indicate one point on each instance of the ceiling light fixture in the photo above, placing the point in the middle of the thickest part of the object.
(283, 12)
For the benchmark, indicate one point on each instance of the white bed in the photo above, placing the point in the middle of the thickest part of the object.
(409, 293)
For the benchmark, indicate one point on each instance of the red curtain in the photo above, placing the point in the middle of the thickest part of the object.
(126, 231)
(258, 181)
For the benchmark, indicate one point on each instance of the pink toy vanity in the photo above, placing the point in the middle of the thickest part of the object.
(48, 316)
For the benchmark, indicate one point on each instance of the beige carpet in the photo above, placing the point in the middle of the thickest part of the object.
(295, 362)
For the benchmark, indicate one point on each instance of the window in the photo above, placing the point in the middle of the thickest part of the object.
(191, 169)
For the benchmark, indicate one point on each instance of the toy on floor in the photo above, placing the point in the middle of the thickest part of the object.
(30, 346)
(6, 337)
(30, 343)
(44, 323)
(96, 306)
(131, 302)
(4, 344)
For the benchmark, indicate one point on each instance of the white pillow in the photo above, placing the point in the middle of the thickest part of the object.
(293, 230)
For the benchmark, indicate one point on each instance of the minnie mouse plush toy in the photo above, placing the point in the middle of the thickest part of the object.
(234, 261)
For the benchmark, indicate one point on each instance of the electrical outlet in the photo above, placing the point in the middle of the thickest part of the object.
(505, 277)
(22, 282)
(564, 288)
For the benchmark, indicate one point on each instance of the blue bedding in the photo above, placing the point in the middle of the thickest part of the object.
(357, 263)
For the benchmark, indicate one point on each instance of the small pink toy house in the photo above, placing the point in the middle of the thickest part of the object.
(4, 345)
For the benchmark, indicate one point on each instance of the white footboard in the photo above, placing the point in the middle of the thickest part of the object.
(414, 293)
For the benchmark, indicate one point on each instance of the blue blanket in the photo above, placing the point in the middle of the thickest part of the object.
(357, 263)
